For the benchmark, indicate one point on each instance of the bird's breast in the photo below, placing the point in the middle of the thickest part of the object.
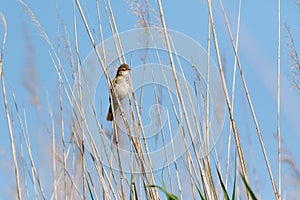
(122, 89)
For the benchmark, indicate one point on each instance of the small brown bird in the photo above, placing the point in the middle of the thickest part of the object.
(121, 86)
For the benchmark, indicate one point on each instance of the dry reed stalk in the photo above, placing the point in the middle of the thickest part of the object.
(95, 189)
(278, 100)
(207, 77)
(100, 60)
(171, 101)
(115, 33)
(141, 11)
(120, 164)
(167, 40)
(190, 161)
(140, 125)
(64, 172)
(76, 170)
(81, 113)
(25, 132)
(11, 134)
(207, 84)
(53, 150)
(174, 158)
(120, 52)
(59, 71)
(233, 93)
(82, 117)
(101, 32)
(189, 157)
(72, 176)
(109, 83)
(23, 167)
(95, 152)
(236, 135)
(30, 80)
(192, 184)
(73, 183)
(251, 108)
(206, 164)
(27, 142)
(69, 57)
(163, 136)
(78, 85)
(204, 98)
(64, 159)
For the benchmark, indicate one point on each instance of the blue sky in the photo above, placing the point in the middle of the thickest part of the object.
(257, 50)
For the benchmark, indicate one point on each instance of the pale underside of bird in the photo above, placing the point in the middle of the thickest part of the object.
(121, 90)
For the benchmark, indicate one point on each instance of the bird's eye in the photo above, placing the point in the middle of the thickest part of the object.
(123, 69)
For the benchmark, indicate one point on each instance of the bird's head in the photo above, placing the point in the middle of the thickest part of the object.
(123, 70)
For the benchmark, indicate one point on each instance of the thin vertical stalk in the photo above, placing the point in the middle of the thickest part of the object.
(55, 181)
(251, 108)
(207, 82)
(63, 139)
(114, 32)
(177, 83)
(82, 152)
(72, 177)
(24, 131)
(233, 93)
(207, 158)
(190, 161)
(11, 134)
(236, 135)
(278, 104)
(64, 161)
(119, 48)
(96, 153)
(162, 134)
(101, 32)
(78, 86)
(24, 168)
(21, 146)
(104, 60)
(173, 154)
(53, 153)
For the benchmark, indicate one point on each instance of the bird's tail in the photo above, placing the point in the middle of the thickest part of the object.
(109, 116)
